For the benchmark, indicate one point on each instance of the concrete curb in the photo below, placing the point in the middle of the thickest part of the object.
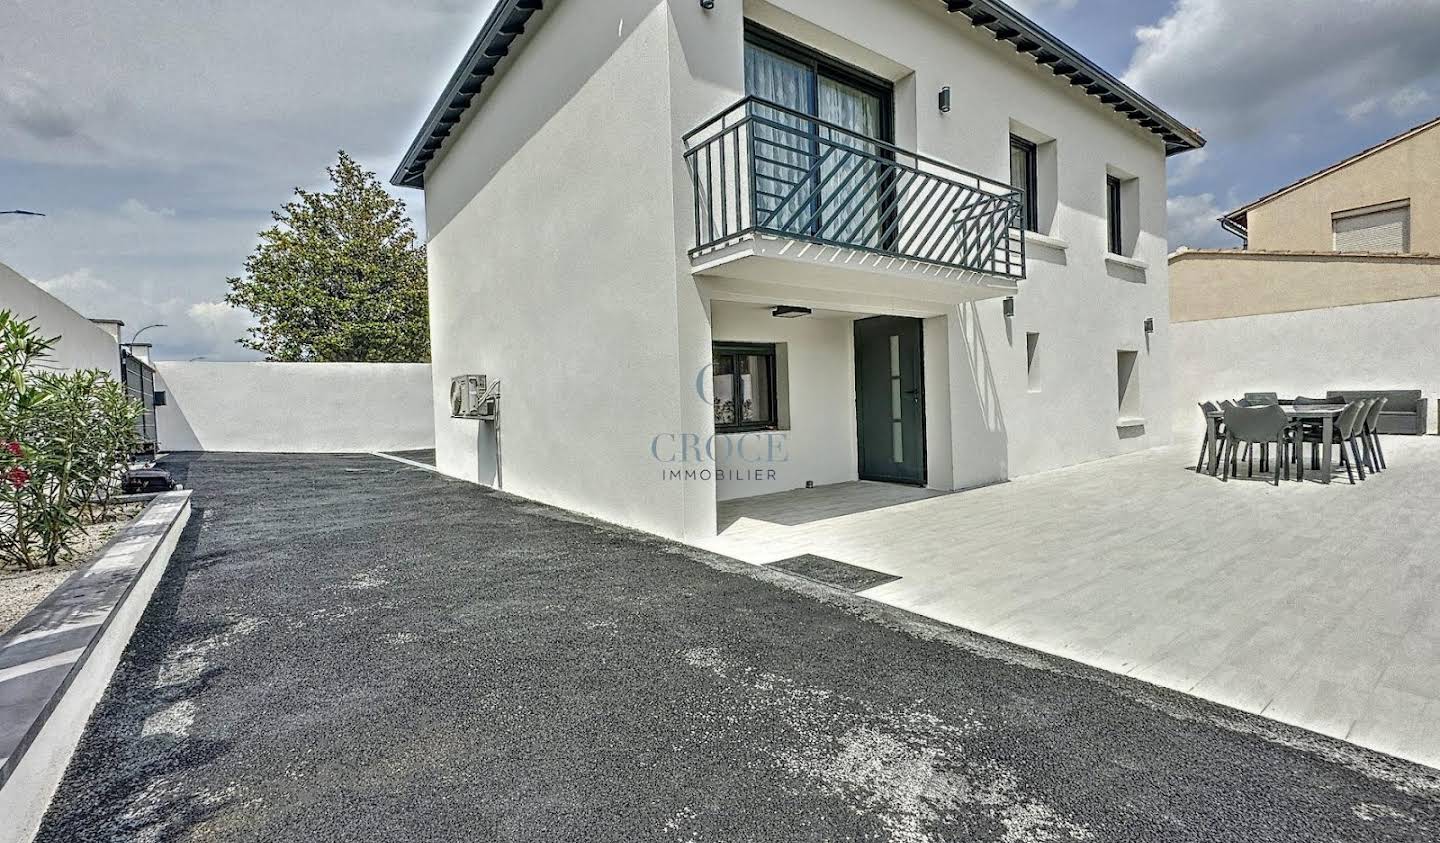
(57, 661)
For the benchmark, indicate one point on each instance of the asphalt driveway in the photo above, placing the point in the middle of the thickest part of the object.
(347, 648)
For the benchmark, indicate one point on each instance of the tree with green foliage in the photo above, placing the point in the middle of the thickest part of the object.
(339, 278)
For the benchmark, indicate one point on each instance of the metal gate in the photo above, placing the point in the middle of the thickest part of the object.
(139, 381)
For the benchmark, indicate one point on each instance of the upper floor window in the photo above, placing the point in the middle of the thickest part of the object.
(1023, 177)
(810, 82)
(1374, 228)
(1115, 215)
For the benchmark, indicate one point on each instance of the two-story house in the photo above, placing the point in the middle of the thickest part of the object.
(713, 249)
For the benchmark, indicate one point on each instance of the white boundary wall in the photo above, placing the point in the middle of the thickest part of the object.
(1391, 345)
(83, 344)
(295, 407)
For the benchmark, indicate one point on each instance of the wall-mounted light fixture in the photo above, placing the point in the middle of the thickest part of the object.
(945, 99)
(1149, 326)
(789, 311)
(707, 5)
(1008, 306)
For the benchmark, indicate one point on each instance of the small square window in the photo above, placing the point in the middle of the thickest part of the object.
(743, 380)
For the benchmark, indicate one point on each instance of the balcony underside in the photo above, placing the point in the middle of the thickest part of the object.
(828, 274)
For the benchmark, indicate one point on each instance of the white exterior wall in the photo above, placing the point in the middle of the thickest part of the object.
(816, 359)
(294, 407)
(560, 214)
(1391, 345)
(553, 267)
(83, 344)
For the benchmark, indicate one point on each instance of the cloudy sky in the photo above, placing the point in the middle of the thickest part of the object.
(158, 136)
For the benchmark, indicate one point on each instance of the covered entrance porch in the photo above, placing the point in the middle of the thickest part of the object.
(808, 397)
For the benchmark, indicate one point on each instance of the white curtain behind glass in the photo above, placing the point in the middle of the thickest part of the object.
(852, 182)
(789, 83)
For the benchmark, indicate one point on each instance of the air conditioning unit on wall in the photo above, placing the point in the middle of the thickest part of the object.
(474, 397)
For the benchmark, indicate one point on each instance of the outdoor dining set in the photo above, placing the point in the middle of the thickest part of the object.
(1239, 431)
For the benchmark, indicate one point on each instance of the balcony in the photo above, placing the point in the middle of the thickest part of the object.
(783, 198)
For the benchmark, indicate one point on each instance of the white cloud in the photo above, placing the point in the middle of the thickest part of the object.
(1409, 101)
(1237, 68)
(157, 83)
(158, 136)
(80, 285)
(1193, 222)
(191, 329)
(1183, 168)
(1030, 7)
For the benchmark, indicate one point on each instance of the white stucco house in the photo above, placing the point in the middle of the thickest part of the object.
(724, 249)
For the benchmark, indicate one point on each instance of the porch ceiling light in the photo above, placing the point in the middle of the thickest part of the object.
(707, 5)
(788, 311)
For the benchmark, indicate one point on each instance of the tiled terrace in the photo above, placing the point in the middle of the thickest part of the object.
(1315, 605)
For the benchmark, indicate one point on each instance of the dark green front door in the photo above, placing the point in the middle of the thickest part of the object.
(890, 399)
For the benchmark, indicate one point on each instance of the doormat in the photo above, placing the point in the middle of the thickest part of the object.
(830, 572)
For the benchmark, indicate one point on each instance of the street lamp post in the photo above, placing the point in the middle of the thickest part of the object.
(136, 336)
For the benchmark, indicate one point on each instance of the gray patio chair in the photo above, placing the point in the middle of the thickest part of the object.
(1344, 432)
(1206, 408)
(1265, 425)
(1372, 434)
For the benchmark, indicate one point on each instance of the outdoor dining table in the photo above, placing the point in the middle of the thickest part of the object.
(1326, 413)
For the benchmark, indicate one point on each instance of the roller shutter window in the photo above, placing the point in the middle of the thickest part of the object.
(1378, 230)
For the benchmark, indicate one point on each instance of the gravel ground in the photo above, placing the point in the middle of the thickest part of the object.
(21, 591)
(347, 649)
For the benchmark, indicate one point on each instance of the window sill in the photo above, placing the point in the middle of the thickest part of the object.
(1129, 421)
(744, 430)
(1133, 263)
(1057, 243)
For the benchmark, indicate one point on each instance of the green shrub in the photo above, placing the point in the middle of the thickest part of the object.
(65, 437)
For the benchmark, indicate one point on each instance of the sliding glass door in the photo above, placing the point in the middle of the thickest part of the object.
(811, 179)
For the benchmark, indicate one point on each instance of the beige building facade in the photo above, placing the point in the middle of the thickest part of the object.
(1384, 199)
(1363, 231)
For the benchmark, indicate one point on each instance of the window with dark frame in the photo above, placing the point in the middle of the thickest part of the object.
(1112, 203)
(810, 82)
(743, 380)
(1023, 178)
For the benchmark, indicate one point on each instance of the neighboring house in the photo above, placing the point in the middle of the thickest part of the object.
(729, 251)
(1384, 199)
(1338, 285)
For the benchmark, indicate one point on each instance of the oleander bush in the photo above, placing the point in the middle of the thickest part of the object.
(65, 438)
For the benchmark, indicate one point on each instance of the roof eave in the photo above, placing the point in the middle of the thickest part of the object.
(506, 23)
(1046, 49)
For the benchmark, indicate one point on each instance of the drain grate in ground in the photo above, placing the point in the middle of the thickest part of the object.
(831, 572)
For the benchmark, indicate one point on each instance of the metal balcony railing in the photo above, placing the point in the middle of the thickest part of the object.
(760, 167)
